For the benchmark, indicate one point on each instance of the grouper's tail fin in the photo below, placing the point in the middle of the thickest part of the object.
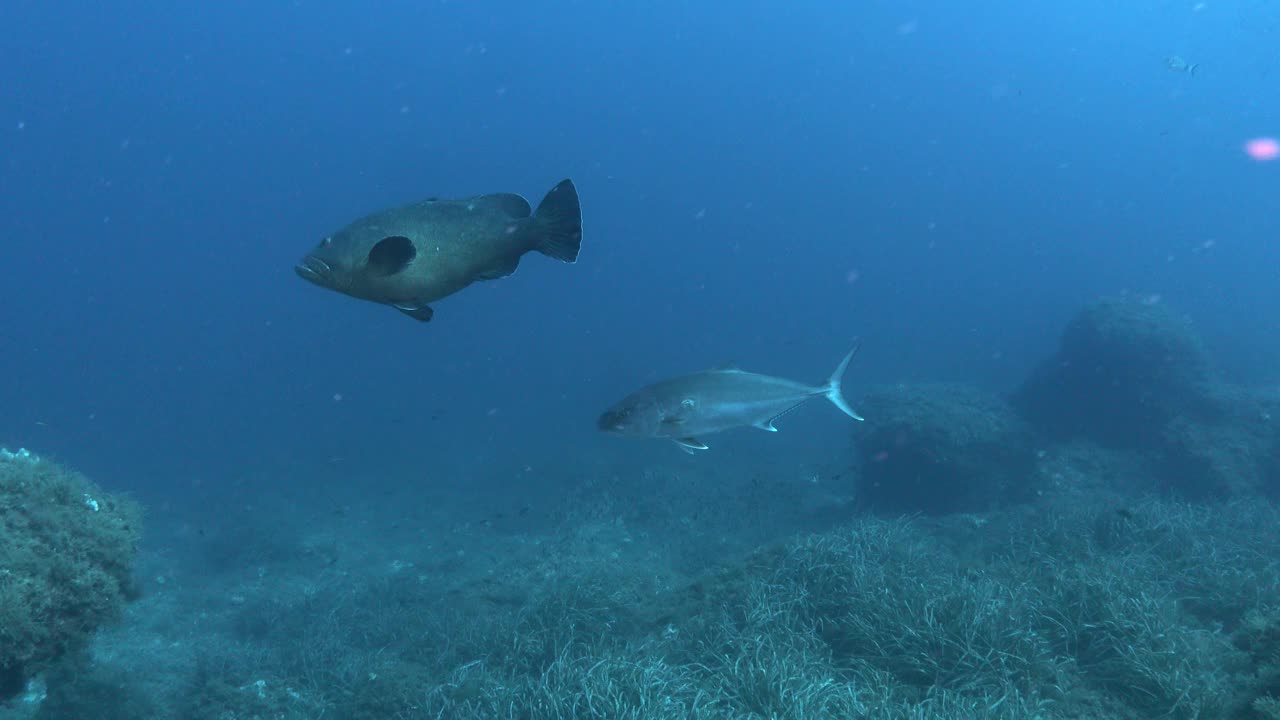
(559, 223)
(833, 385)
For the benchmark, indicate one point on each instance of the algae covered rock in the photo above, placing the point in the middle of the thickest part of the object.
(1238, 453)
(1132, 376)
(1124, 369)
(66, 551)
(940, 448)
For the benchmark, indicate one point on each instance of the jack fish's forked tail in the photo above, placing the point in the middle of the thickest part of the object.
(833, 391)
(559, 223)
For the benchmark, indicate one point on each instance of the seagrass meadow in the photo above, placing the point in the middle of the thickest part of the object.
(661, 360)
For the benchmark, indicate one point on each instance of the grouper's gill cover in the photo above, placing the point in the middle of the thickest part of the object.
(391, 255)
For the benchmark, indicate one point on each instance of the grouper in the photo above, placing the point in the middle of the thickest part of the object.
(685, 408)
(410, 256)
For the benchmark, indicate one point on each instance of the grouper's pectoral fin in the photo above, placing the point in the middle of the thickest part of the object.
(421, 313)
(690, 444)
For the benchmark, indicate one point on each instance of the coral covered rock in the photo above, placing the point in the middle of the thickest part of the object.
(942, 448)
(66, 549)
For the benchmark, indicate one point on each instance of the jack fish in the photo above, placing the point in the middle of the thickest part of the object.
(410, 256)
(684, 408)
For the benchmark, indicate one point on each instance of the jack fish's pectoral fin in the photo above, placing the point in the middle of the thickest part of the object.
(690, 444)
(680, 414)
(766, 425)
(421, 313)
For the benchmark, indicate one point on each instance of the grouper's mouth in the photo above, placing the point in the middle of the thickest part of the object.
(314, 269)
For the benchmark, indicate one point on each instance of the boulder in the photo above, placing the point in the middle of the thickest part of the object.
(66, 554)
(1125, 368)
(942, 448)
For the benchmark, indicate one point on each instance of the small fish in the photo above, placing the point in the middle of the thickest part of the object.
(683, 408)
(1177, 64)
(410, 256)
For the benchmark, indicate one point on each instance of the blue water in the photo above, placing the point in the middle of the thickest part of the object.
(761, 182)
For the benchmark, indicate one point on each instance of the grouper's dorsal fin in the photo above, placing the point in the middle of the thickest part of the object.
(509, 203)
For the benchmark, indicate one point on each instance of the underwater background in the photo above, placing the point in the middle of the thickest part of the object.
(1052, 227)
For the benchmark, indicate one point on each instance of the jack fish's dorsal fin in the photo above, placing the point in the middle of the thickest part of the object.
(509, 203)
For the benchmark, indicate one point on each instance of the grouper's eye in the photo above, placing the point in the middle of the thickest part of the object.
(391, 255)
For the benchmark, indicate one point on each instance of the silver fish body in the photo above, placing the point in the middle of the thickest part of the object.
(1178, 64)
(685, 408)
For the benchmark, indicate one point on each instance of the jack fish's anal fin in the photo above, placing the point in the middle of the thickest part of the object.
(766, 425)
(690, 444)
(421, 313)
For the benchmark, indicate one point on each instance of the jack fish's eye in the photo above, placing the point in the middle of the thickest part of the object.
(391, 255)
